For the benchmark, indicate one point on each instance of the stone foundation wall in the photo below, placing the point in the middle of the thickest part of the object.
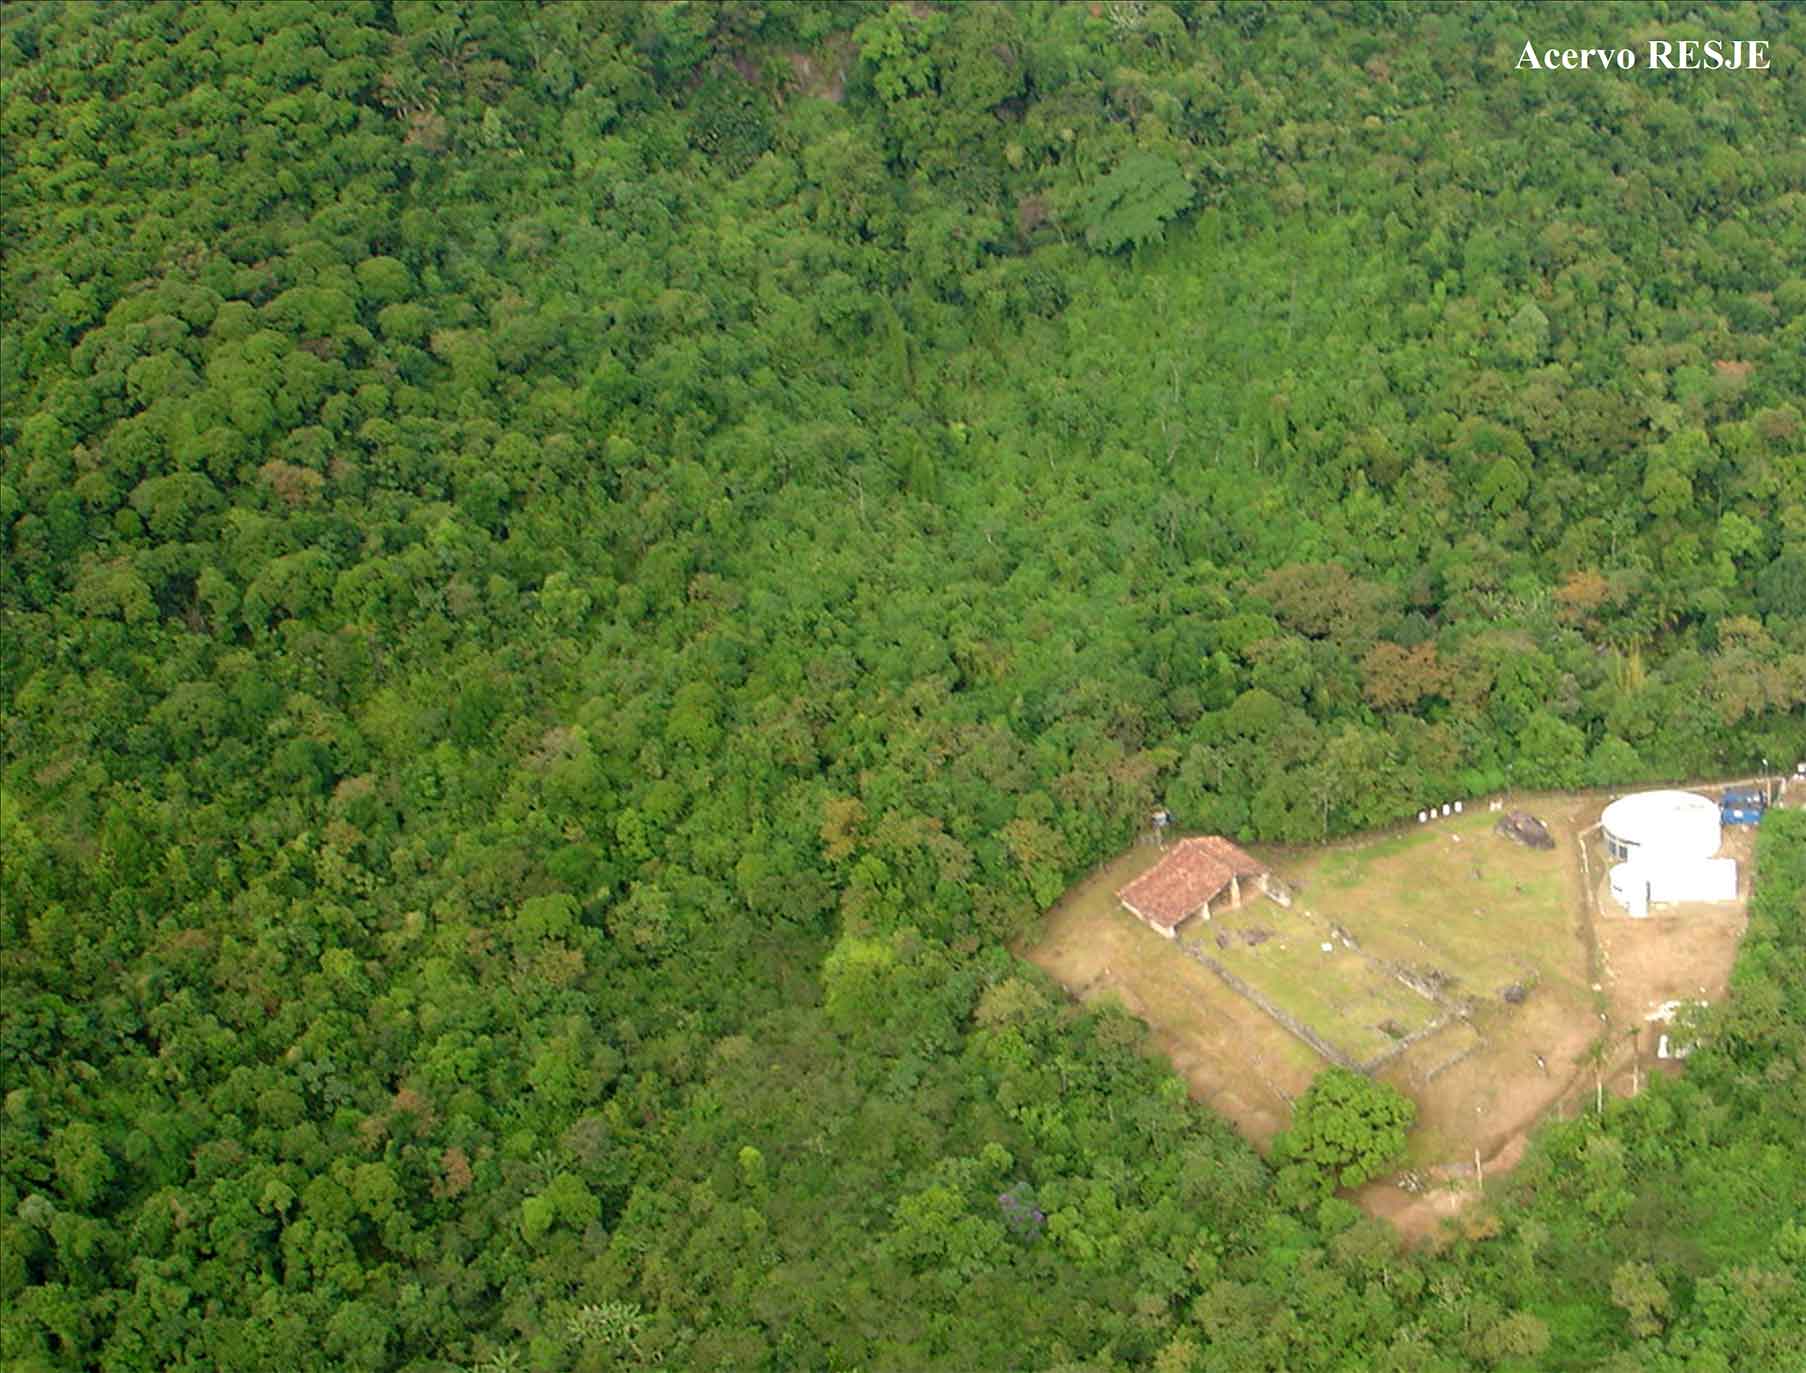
(1292, 1023)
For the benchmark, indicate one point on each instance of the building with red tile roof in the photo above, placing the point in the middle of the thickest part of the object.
(1194, 874)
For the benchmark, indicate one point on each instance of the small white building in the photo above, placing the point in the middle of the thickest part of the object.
(1645, 883)
(1666, 844)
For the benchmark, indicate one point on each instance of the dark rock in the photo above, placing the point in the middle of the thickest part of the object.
(1524, 828)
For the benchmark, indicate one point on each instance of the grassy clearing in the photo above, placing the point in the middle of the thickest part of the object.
(1452, 900)
(1341, 994)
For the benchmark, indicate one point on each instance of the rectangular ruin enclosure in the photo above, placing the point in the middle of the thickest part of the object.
(1343, 996)
(1421, 926)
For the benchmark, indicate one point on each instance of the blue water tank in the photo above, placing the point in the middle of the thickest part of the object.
(1742, 807)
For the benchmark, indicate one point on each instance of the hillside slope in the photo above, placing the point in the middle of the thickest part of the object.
(573, 573)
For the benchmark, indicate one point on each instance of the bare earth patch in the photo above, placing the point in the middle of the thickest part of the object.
(1680, 952)
(1503, 965)
(822, 74)
(1237, 1060)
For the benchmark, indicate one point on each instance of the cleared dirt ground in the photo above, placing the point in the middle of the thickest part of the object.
(1679, 952)
(1237, 1060)
(1452, 897)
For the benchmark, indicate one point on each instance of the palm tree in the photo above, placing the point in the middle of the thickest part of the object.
(1594, 1056)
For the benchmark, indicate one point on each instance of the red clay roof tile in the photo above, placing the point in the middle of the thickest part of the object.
(1194, 872)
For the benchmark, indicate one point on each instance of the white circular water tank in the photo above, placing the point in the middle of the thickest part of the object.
(1669, 826)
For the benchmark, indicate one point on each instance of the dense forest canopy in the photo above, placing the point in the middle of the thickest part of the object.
(574, 573)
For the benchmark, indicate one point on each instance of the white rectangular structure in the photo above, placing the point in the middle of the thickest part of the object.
(1638, 886)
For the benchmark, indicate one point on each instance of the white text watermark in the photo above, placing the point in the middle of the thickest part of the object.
(1658, 54)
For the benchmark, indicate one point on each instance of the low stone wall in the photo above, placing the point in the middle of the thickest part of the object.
(1417, 1036)
(1423, 986)
(1450, 1008)
(1292, 1023)
(1448, 1063)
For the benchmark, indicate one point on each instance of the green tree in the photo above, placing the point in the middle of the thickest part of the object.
(1132, 205)
(1346, 1129)
(1640, 1293)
